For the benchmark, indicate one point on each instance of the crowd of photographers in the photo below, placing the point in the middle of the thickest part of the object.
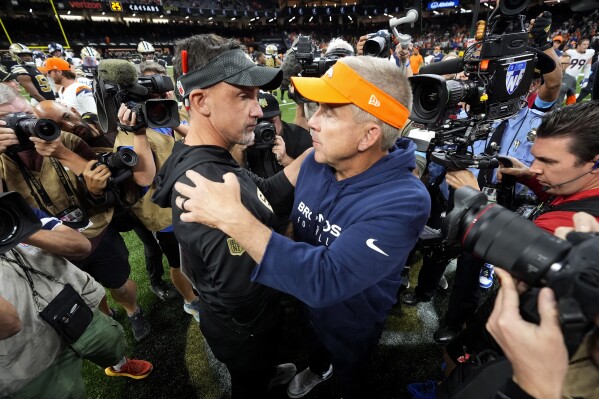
(212, 177)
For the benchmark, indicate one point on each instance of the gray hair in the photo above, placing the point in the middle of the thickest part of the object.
(152, 66)
(388, 78)
(339, 43)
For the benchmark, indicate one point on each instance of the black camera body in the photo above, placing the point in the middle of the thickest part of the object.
(140, 97)
(532, 255)
(313, 66)
(264, 135)
(378, 44)
(120, 164)
(17, 220)
(26, 125)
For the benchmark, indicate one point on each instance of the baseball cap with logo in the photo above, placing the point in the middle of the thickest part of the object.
(57, 64)
(269, 105)
(232, 67)
(342, 85)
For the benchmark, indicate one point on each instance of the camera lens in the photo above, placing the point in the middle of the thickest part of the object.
(158, 113)
(374, 46)
(268, 135)
(512, 242)
(9, 225)
(46, 129)
(428, 98)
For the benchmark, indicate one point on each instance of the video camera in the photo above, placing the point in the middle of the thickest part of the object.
(312, 64)
(116, 83)
(498, 68)
(532, 255)
(264, 135)
(26, 125)
(17, 221)
(119, 163)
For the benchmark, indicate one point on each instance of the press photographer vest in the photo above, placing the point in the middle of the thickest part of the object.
(10, 173)
(151, 215)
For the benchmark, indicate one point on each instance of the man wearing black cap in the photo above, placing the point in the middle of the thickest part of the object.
(266, 159)
(240, 319)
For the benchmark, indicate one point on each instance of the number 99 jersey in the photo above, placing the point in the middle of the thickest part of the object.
(579, 61)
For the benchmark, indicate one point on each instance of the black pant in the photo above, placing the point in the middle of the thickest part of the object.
(152, 253)
(250, 359)
(350, 358)
(430, 273)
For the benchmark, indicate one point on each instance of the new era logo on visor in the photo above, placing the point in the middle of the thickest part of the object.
(374, 101)
(180, 88)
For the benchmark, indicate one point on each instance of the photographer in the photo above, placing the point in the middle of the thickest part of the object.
(564, 174)
(288, 143)
(152, 224)
(43, 358)
(63, 178)
(535, 371)
(69, 120)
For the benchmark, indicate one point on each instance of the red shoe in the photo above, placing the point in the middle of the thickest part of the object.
(136, 369)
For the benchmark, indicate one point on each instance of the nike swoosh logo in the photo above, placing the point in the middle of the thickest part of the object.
(370, 244)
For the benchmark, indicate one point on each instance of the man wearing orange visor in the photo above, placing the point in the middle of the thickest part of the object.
(357, 213)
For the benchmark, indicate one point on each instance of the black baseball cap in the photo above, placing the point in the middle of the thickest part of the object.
(232, 67)
(269, 105)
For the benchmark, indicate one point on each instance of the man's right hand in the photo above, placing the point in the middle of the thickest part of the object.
(96, 177)
(518, 170)
(7, 137)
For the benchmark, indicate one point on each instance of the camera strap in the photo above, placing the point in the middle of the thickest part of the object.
(32, 182)
(27, 176)
(18, 260)
(589, 205)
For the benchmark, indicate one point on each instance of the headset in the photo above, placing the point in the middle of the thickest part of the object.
(595, 166)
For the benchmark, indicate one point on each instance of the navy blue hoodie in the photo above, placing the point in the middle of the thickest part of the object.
(352, 240)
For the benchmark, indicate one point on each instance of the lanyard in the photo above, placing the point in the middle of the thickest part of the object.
(18, 260)
(31, 180)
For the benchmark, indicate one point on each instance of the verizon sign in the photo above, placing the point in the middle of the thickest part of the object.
(85, 5)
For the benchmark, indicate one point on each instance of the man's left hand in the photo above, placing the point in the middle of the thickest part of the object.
(209, 202)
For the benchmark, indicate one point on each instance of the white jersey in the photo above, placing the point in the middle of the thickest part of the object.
(78, 96)
(580, 62)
